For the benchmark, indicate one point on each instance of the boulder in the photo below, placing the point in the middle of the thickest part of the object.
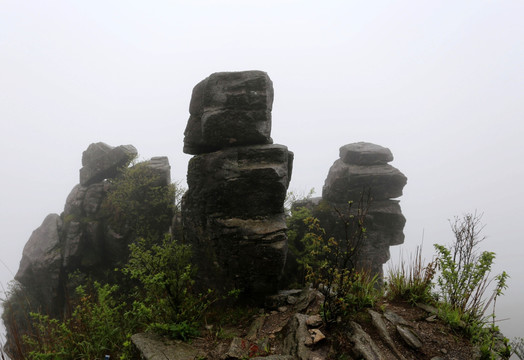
(347, 182)
(101, 161)
(229, 109)
(364, 153)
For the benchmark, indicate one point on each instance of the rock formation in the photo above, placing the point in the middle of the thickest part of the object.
(233, 210)
(363, 176)
(363, 167)
(80, 240)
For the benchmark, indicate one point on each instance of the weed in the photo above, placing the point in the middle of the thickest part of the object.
(411, 281)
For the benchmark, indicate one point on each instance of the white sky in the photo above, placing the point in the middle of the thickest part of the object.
(441, 83)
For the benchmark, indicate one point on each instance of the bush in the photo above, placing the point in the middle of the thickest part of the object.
(464, 275)
(139, 204)
(331, 265)
(99, 325)
(165, 277)
(463, 281)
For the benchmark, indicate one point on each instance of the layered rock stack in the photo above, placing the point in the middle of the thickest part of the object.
(363, 170)
(233, 210)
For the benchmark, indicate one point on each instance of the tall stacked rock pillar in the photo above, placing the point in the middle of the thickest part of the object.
(233, 210)
(362, 168)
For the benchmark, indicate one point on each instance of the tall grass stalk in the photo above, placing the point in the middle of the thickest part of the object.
(411, 279)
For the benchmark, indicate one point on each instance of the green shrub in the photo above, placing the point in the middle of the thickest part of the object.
(331, 265)
(165, 290)
(464, 276)
(463, 281)
(99, 325)
(138, 204)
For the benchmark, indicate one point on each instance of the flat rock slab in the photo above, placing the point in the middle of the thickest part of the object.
(409, 337)
(364, 153)
(363, 345)
(154, 347)
(346, 182)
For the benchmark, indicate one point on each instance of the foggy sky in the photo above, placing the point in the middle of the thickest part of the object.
(439, 83)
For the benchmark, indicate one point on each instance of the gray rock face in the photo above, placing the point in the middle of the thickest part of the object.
(40, 267)
(233, 210)
(160, 164)
(229, 109)
(233, 214)
(101, 161)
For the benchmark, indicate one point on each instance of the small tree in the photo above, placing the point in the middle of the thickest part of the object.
(333, 264)
(464, 274)
(165, 293)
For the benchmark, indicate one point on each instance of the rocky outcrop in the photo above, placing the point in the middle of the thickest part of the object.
(362, 177)
(362, 174)
(233, 209)
(289, 326)
(81, 240)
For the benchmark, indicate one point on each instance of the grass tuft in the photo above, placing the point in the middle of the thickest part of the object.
(412, 279)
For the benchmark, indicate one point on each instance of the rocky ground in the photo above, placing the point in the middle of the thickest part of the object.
(289, 327)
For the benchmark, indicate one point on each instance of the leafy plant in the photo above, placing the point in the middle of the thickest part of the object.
(99, 325)
(332, 264)
(165, 275)
(464, 275)
(463, 281)
(139, 204)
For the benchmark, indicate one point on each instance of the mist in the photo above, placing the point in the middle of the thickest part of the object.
(438, 83)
